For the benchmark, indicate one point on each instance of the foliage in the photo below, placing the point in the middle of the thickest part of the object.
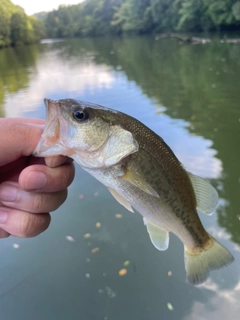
(114, 17)
(190, 13)
(134, 16)
(236, 10)
(92, 18)
(220, 12)
(165, 14)
(106, 17)
(16, 28)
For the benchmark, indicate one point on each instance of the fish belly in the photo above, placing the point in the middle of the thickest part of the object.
(154, 209)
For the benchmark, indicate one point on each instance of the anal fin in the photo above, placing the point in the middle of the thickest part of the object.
(158, 236)
(121, 200)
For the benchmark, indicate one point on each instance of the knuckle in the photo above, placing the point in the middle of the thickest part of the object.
(47, 202)
(64, 178)
(58, 200)
(64, 195)
(28, 224)
(32, 224)
(38, 202)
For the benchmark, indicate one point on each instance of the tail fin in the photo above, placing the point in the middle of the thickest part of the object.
(199, 264)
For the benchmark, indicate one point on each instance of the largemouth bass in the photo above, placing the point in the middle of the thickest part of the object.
(141, 172)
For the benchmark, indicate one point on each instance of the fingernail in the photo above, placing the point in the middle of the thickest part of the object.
(36, 180)
(3, 216)
(8, 193)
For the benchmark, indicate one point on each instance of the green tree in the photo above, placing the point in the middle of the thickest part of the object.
(6, 10)
(190, 14)
(16, 28)
(106, 17)
(236, 10)
(134, 16)
(103, 16)
(165, 14)
(64, 22)
(220, 12)
(38, 30)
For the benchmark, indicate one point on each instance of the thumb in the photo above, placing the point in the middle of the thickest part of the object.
(18, 137)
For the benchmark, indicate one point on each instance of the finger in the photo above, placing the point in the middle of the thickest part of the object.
(45, 179)
(51, 162)
(12, 196)
(56, 161)
(4, 234)
(25, 120)
(18, 138)
(22, 224)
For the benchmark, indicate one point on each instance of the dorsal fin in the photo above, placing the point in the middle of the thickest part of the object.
(206, 195)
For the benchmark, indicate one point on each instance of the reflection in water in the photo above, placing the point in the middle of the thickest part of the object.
(17, 66)
(196, 153)
(190, 96)
(53, 76)
(224, 303)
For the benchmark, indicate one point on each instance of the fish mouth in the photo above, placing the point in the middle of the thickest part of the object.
(51, 133)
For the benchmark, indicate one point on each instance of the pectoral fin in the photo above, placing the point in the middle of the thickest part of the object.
(206, 195)
(158, 236)
(121, 200)
(139, 182)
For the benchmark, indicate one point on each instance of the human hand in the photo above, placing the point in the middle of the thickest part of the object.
(29, 187)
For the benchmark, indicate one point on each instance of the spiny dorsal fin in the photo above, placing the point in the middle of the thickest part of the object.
(206, 195)
(158, 236)
(139, 182)
(121, 200)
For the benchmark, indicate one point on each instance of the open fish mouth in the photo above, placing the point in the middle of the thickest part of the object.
(51, 133)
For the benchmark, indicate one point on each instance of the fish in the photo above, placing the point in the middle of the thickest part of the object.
(142, 173)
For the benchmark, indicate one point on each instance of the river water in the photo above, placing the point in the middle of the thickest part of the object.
(190, 96)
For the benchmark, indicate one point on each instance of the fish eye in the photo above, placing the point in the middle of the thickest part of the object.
(80, 114)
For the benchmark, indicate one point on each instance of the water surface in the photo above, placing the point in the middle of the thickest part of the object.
(189, 95)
